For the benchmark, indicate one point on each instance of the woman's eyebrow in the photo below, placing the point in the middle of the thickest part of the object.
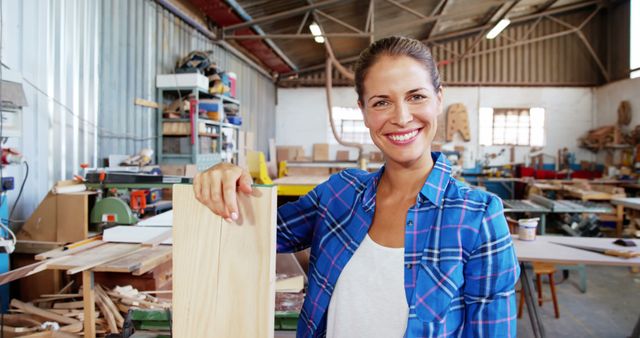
(378, 96)
(416, 90)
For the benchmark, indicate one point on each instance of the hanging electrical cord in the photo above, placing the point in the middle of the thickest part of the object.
(26, 175)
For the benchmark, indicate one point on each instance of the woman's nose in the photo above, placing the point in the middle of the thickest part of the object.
(402, 115)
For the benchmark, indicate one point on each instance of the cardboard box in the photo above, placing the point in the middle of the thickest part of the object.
(188, 170)
(289, 153)
(321, 152)
(342, 155)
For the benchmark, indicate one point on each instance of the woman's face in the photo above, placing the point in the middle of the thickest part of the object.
(401, 108)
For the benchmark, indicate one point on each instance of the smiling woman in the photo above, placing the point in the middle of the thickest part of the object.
(404, 251)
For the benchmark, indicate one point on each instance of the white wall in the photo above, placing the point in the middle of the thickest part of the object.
(302, 119)
(608, 99)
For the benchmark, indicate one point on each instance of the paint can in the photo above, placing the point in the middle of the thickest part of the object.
(527, 229)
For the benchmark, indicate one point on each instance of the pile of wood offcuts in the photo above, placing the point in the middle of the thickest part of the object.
(62, 314)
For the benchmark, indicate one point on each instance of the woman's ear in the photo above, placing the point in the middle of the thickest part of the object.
(440, 96)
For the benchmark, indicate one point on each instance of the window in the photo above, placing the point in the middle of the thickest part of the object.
(350, 126)
(513, 126)
(634, 57)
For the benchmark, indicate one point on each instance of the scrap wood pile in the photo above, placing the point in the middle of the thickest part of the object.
(62, 314)
(619, 134)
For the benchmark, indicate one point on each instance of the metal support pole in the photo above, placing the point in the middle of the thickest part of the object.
(532, 310)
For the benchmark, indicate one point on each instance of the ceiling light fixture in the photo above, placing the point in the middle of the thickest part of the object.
(317, 32)
(498, 28)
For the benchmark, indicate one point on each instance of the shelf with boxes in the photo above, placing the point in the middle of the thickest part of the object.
(187, 106)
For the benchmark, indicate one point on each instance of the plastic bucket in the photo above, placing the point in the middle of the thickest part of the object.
(527, 229)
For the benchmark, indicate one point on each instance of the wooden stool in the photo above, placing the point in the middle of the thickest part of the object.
(542, 269)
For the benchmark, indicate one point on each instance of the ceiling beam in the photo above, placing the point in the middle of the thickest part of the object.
(520, 19)
(490, 22)
(437, 11)
(465, 32)
(245, 16)
(280, 15)
(296, 36)
(407, 9)
(338, 21)
(543, 7)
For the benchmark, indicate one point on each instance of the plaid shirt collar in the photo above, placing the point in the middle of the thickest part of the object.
(432, 190)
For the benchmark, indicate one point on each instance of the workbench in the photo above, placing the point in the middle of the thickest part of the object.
(99, 256)
(297, 185)
(527, 206)
(631, 203)
(543, 249)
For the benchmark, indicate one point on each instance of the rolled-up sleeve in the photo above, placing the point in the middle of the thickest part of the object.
(296, 221)
(491, 274)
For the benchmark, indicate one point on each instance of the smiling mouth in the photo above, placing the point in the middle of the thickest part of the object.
(403, 138)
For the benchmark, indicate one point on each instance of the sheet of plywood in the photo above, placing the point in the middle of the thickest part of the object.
(224, 273)
(165, 219)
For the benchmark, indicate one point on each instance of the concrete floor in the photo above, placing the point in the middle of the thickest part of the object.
(609, 308)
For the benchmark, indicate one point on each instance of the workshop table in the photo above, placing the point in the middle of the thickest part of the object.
(632, 203)
(545, 249)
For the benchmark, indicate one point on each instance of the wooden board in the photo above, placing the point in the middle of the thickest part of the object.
(165, 219)
(94, 255)
(134, 234)
(224, 273)
(135, 260)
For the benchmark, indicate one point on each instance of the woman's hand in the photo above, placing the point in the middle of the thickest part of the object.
(216, 188)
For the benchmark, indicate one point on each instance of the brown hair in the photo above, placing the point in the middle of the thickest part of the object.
(395, 46)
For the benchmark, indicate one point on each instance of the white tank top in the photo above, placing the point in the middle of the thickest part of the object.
(369, 298)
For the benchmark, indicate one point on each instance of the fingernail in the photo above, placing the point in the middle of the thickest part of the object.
(228, 220)
(234, 216)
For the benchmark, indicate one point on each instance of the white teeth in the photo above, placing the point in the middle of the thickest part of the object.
(403, 137)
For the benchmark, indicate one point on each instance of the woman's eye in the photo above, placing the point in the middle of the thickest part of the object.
(417, 97)
(381, 104)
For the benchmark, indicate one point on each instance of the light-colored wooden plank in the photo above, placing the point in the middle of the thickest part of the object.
(155, 261)
(110, 305)
(104, 308)
(91, 258)
(63, 251)
(69, 305)
(89, 294)
(28, 308)
(136, 260)
(145, 103)
(135, 234)
(224, 273)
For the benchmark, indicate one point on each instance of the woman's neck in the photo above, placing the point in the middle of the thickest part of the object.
(406, 179)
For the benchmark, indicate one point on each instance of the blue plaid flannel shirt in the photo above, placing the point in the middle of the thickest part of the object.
(460, 265)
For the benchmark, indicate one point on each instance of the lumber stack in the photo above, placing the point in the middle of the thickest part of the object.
(62, 314)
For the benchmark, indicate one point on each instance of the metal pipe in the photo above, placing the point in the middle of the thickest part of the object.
(328, 86)
(186, 18)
